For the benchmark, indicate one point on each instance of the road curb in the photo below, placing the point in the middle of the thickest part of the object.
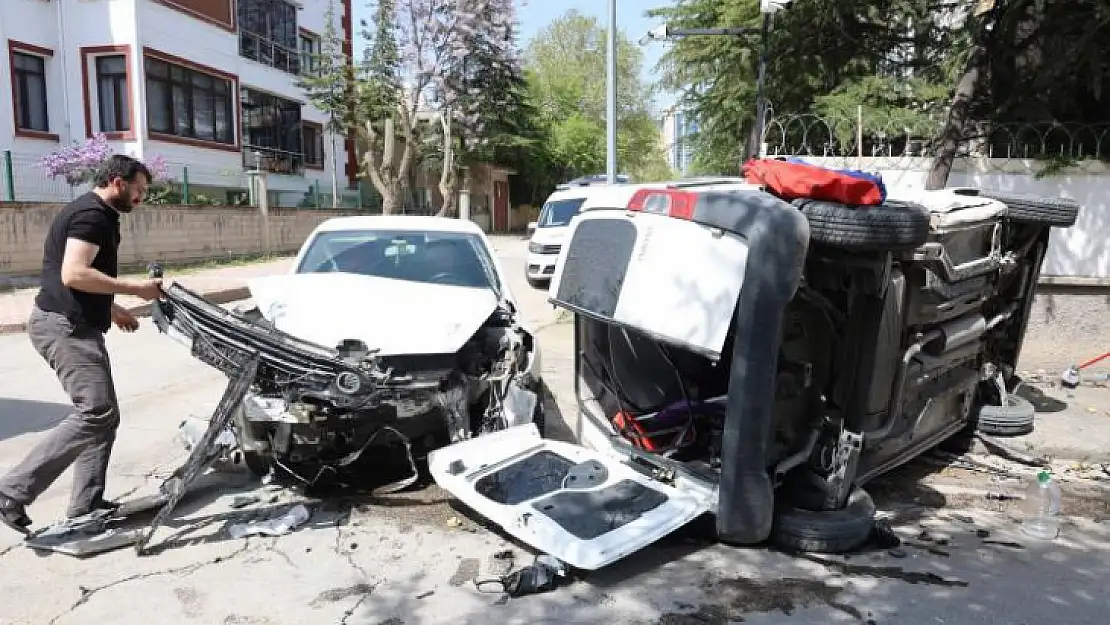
(220, 296)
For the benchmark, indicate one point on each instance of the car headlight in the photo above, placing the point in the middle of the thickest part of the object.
(535, 248)
(348, 382)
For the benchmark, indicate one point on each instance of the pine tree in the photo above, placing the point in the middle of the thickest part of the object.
(326, 82)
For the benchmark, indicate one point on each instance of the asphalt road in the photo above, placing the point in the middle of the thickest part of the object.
(412, 559)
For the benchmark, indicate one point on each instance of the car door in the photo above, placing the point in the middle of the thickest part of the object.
(582, 507)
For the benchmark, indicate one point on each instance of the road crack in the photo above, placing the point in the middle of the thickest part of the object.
(340, 520)
(188, 569)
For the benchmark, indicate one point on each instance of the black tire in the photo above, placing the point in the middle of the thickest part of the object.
(538, 283)
(1014, 419)
(1060, 212)
(890, 226)
(826, 531)
(257, 463)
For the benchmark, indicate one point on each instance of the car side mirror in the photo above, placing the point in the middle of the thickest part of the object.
(532, 227)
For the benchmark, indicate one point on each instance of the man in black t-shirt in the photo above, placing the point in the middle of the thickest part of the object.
(73, 310)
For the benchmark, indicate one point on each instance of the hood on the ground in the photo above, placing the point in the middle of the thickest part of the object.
(393, 316)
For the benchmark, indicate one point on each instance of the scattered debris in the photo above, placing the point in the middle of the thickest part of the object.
(426, 594)
(541, 576)
(242, 501)
(982, 533)
(963, 518)
(1004, 543)
(276, 526)
(897, 553)
(454, 522)
(1000, 449)
(96, 533)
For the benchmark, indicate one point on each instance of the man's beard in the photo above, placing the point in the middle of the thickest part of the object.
(122, 204)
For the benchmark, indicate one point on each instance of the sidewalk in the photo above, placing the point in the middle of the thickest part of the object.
(226, 284)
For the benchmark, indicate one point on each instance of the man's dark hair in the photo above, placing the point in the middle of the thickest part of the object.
(120, 166)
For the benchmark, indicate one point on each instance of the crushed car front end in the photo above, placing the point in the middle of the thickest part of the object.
(316, 408)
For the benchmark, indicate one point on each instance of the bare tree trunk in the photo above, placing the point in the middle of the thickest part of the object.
(952, 133)
(448, 179)
(334, 174)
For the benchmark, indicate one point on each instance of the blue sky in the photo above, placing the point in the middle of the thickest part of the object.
(534, 15)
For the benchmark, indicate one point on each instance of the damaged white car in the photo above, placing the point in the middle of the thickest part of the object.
(389, 331)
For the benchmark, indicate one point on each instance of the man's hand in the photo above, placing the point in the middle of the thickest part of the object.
(146, 289)
(123, 319)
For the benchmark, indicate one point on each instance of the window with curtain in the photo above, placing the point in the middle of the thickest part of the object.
(29, 78)
(111, 91)
(187, 103)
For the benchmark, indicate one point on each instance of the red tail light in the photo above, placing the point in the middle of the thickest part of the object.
(669, 202)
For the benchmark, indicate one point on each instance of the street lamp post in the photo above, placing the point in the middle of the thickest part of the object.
(611, 97)
(768, 8)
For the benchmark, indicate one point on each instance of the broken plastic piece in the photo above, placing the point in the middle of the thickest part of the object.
(277, 526)
(541, 576)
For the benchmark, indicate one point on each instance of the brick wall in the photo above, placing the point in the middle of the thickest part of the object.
(169, 234)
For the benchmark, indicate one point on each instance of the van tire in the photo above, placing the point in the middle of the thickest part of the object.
(825, 531)
(887, 227)
(1014, 419)
(1060, 212)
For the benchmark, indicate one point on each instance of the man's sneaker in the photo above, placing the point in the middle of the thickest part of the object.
(101, 508)
(13, 514)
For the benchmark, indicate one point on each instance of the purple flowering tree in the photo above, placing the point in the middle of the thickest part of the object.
(78, 164)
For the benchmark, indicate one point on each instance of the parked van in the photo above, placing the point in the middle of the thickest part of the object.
(549, 230)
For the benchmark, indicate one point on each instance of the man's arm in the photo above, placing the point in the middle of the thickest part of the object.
(78, 274)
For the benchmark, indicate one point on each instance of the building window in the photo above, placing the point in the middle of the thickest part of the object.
(313, 138)
(272, 133)
(112, 93)
(268, 34)
(310, 52)
(187, 103)
(29, 79)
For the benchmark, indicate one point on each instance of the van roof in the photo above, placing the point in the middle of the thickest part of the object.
(618, 195)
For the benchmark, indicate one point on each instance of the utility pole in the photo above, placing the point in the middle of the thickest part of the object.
(611, 98)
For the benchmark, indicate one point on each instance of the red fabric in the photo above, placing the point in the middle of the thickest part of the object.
(792, 181)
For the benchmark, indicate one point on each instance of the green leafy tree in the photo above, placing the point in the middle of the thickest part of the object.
(566, 65)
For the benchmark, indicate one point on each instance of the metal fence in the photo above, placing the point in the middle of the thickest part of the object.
(23, 179)
(901, 136)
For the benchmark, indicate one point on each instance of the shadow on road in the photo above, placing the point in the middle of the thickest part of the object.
(26, 416)
(1042, 402)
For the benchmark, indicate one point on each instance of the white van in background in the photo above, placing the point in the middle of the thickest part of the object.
(549, 230)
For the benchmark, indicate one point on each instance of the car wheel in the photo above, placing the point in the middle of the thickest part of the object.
(257, 463)
(825, 531)
(538, 283)
(890, 226)
(1013, 419)
(1050, 211)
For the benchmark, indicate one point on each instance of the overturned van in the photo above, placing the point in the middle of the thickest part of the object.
(761, 361)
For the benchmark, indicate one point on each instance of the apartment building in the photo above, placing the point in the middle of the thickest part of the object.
(677, 126)
(210, 85)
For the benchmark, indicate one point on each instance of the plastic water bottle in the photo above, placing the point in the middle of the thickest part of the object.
(1041, 507)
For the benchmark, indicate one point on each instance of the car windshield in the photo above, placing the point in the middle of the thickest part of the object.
(458, 259)
(559, 212)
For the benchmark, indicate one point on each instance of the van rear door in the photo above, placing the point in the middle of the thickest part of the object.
(672, 279)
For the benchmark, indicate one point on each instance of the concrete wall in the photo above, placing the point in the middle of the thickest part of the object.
(1079, 253)
(164, 234)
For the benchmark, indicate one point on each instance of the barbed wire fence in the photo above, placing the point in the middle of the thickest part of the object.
(912, 140)
(24, 179)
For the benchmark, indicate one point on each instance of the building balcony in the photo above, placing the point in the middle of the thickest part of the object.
(266, 52)
(273, 160)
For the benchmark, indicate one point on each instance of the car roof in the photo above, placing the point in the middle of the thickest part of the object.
(427, 223)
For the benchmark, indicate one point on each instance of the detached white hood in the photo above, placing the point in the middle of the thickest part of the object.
(393, 316)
